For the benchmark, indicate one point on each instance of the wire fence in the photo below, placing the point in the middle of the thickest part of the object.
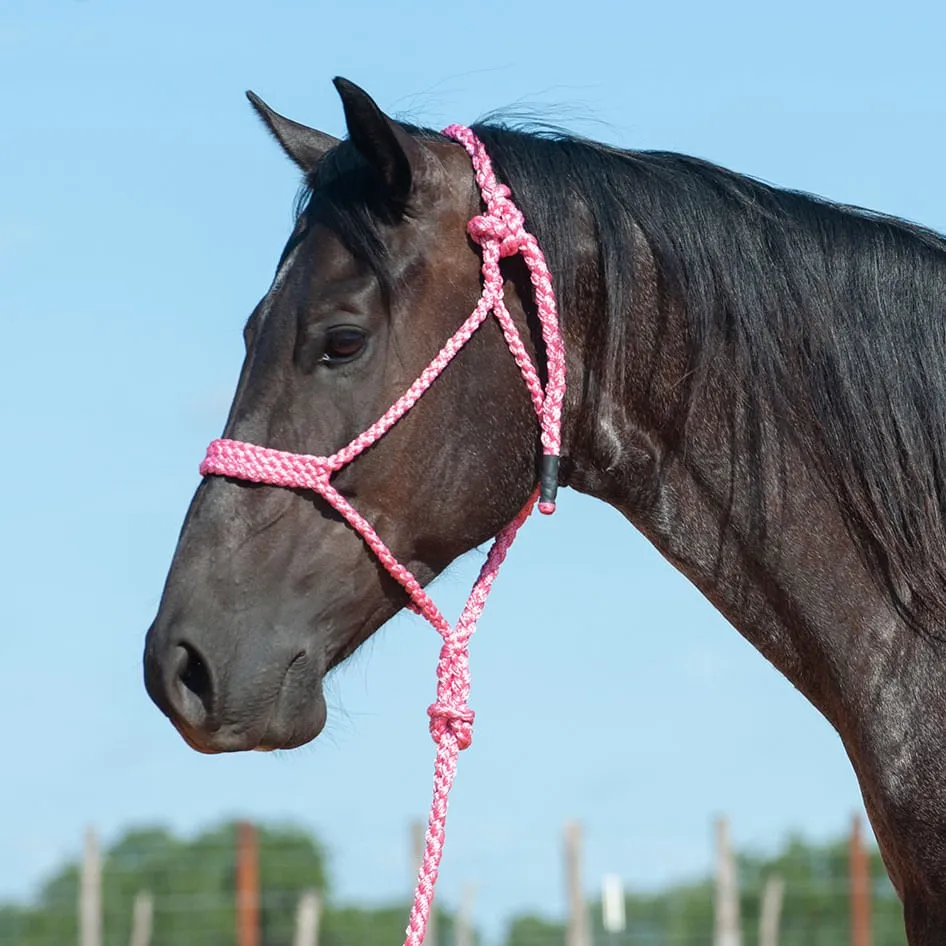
(816, 915)
(152, 889)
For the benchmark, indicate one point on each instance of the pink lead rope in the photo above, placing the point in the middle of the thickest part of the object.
(499, 232)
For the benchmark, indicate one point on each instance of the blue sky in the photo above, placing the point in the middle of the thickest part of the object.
(142, 210)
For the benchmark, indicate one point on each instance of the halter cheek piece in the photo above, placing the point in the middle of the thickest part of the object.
(500, 232)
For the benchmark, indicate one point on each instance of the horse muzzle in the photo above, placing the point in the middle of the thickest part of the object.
(235, 698)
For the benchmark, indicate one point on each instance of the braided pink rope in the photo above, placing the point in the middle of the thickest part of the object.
(500, 232)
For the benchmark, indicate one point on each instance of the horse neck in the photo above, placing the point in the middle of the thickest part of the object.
(767, 546)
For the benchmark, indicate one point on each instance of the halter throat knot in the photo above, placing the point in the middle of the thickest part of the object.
(456, 720)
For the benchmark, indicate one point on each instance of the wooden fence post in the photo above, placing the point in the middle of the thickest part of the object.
(247, 885)
(727, 929)
(90, 892)
(141, 919)
(308, 916)
(613, 908)
(418, 831)
(578, 932)
(772, 895)
(464, 927)
(860, 887)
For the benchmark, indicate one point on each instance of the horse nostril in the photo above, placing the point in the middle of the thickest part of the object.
(192, 684)
(194, 673)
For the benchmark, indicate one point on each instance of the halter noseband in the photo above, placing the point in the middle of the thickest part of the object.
(500, 232)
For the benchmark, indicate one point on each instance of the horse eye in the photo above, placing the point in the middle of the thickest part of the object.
(343, 344)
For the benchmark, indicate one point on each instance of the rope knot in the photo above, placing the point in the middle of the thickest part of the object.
(445, 717)
(503, 223)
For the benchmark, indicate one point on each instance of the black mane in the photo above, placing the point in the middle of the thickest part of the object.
(832, 318)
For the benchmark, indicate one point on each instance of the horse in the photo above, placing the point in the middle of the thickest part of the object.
(756, 381)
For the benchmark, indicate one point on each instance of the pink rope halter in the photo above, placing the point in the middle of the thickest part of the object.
(499, 232)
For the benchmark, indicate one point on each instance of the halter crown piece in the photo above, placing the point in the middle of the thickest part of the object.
(500, 232)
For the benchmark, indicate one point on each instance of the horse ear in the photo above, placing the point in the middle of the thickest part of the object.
(390, 150)
(303, 144)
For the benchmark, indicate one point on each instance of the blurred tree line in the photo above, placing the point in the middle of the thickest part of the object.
(815, 910)
(192, 882)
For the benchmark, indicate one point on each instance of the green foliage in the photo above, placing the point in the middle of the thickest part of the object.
(535, 931)
(13, 922)
(356, 926)
(815, 912)
(192, 883)
(816, 909)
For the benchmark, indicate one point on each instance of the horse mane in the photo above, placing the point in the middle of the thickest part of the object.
(833, 317)
(829, 318)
